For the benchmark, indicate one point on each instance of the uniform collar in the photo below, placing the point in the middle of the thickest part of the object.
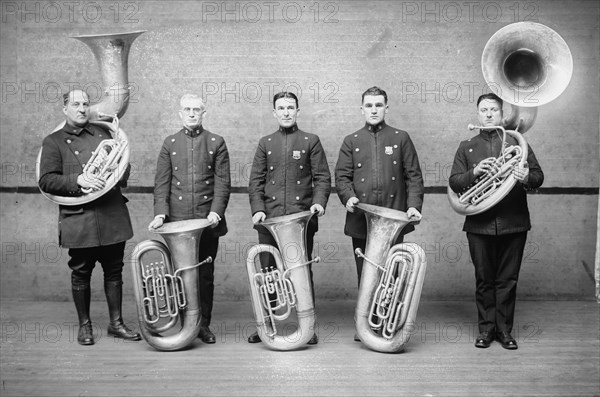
(288, 130)
(490, 134)
(193, 133)
(375, 128)
(71, 129)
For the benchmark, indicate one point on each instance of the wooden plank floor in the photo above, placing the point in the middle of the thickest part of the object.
(559, 355)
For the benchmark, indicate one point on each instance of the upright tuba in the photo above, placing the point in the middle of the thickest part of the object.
(278, 290)
(111, 158)
(166, 291)
(528, 65)
(391, 282)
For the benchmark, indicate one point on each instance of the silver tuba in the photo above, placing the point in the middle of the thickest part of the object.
(111, 158)
(391, 282)
(166, 291)
(276, 291)
(528, 65)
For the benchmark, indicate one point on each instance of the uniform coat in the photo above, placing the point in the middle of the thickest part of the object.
(192, 177)
(378, 165)
(102, 222)
(289, 174)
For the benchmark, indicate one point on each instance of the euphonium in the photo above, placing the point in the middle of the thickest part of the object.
(527, 64)
(276, 291)
(111, 157)
(167, 290)
(491, 187)
(391, 282)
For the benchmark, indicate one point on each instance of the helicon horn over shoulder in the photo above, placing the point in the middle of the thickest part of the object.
(111, 158)
(527, 64)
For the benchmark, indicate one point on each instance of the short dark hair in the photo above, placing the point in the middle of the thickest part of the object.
(68, 94)
(492, 97)
(285, 94)
(374, 91)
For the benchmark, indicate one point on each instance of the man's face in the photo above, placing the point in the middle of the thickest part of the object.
(285, 112)
(489, 113)
(77, 109)
(374, 109)
(192, 112)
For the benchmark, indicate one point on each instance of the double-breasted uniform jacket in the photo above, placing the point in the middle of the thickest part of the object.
(378, 165)
(103, 221)
(192, 177)
(289, 174)
(511, 214)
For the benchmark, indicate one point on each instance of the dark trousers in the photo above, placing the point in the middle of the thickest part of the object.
(497, 261)
(209, 245)
(362, 243)
(83, 260)
(267, 261)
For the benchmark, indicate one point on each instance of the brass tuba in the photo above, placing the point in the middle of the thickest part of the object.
(167, 290)
(276, 291)
(528, 65)
(111, 158)
(391, 282)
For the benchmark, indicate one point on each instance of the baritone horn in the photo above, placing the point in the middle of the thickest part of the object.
(111, 158)
(166, 291)
(391, 282)
(276, 291)
(528, 65)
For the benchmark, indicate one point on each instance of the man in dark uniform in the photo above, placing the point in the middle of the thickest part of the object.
(95, 231)
(497, 236)
(378, 165)
(193, 182)
(289, 175)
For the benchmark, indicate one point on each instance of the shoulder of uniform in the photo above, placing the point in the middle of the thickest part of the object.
(212, 135)
(471, 141)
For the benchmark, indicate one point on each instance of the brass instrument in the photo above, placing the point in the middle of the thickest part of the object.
(493, 186)
(391, 282)
(276, 291)
(166, 291)
(111, 158)
(527, 64)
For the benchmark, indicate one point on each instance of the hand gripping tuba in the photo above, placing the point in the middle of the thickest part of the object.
(391, 282)
(527, 64)
(493, 186)
(111, 158)
(167, 290)
(276, 291)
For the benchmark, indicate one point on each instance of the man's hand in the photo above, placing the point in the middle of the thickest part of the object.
(414, 214)
(521, 174)
(317, 209)
(90, 182)
(485, 165)
(352, 201)
(156, 222)
(258, 217)
(214, 219)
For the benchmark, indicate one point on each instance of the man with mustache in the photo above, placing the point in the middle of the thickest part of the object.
(289, 175)
(497, 236)
(377, 165)
(192, 181)
(93, 232)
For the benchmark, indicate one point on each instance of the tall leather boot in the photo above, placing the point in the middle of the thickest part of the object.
(81, 298)
(114, 298)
